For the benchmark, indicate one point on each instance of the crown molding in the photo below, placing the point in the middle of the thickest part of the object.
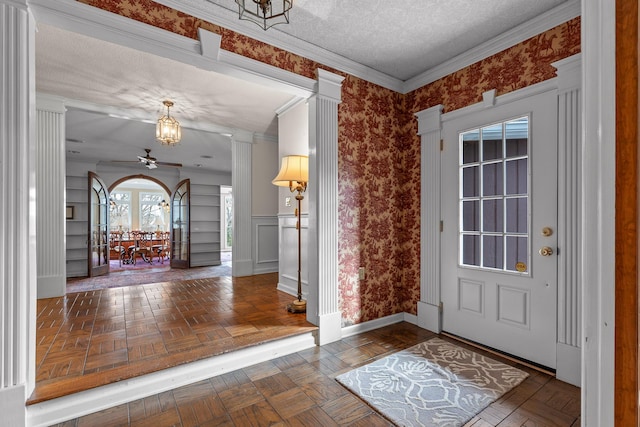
(539, 24)
(227, 18)
(91, 21)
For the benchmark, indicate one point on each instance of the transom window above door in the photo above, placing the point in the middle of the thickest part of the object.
(494, 196)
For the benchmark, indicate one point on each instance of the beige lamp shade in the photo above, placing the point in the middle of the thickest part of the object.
(293, 169)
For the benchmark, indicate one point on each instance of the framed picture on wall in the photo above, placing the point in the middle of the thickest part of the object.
(69, 212)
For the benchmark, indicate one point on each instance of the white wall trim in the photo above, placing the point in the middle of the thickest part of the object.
(51, 200)
(96, 399)
(322, 303)
(18, 252)
(598, 211)
(265, 256)
(429, 129)
(569, 219)
(538, 25)
(288, 282)
(229, 19)
(527, 92)
(381, 322)
(242, 264)
(100, 24)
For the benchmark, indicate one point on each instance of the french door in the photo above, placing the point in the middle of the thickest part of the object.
(98, 226)
(499, 207)
(180, 229)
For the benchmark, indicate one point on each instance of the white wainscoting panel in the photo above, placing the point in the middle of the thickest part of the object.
(288, 259)
(265, 244)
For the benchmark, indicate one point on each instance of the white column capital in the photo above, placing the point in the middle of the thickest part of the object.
(569, 72)
(430, 120)
(51, 103)
(329, 85)
(240, 135)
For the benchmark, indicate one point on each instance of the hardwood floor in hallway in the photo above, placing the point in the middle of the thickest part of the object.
(299, 390)
(96, 337)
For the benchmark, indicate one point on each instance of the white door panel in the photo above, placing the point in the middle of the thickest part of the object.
(492, 301)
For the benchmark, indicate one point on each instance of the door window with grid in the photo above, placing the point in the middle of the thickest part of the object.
(494, 196)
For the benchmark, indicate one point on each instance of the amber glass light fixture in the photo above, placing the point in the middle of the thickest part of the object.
(168, 130)
(294, 173)
(265, 13)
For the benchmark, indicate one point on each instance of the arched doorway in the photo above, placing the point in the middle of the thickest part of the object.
(137, 205)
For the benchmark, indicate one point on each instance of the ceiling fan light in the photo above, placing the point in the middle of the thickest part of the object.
(168, 130)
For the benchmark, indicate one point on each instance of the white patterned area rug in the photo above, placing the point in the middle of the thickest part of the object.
(434, 383)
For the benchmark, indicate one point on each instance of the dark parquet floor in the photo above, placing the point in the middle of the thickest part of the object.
(300, 390)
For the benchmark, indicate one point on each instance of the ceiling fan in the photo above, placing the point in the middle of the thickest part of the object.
(150, 162)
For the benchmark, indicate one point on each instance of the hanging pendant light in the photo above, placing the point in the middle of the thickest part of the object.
(265, 13)
(168, 130)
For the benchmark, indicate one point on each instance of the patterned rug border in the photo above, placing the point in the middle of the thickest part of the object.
(385, 378)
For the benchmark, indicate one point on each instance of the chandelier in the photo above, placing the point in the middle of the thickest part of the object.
(168, 130)
(265, 13)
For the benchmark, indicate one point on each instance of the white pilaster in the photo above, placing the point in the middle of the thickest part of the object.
(50, 188)
(17, 210)
(429, 128)
(322, 302)
(242, 264)
(569, 220)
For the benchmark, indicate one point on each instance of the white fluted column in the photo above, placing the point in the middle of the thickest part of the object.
(50, 188)
(569, 220)
(242, 264)
(322, 302)
(17, 210)
(429, 129)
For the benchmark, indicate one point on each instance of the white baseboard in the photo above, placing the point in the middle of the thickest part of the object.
(569, 364)
(429, 317)
(288, 289)
(51, 286)
(79, 404)
(12, 407)
(329, 327)
(374, 324)
(242, 267)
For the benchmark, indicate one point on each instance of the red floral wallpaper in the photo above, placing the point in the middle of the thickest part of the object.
(379, 151)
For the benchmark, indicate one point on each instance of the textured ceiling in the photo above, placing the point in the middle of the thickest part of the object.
(402, 38)
(118, 91)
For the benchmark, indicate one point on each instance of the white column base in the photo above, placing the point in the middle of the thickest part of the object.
(52, 286)
(242, 267)
(330, 328)
(569, 364)
(429, 317)
(12, 407)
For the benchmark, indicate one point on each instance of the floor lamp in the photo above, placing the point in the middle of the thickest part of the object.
(294, 173)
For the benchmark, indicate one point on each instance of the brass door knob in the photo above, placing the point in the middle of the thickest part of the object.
(545, 251)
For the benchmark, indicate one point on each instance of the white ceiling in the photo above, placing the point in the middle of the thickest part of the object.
(390, 40)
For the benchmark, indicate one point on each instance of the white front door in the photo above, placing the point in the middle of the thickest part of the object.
(499, 208)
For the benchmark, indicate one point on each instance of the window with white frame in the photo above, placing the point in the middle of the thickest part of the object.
(120, 210)
(494, 195)
(152, 215)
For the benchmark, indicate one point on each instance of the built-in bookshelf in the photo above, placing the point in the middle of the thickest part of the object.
(205, 225)
(77, 226)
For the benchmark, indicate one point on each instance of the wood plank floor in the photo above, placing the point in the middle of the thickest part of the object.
(96, 337)
(300, 390)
